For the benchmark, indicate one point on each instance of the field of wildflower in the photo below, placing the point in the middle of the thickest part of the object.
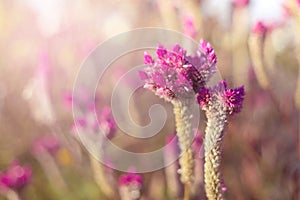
(199, 99)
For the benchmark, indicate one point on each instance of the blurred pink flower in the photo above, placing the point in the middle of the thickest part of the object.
(189, 26)
(16, 177)
(131, 178)
(241, 3)
(107, 123)
(46, 143)
(82, 98)
(259, 28)
(94, 123)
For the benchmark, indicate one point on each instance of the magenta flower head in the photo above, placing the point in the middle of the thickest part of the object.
(131, 179)
(16, 177)
(232, 98)
(46, 143)
(241, 3)
(174, 75)
(259, 28)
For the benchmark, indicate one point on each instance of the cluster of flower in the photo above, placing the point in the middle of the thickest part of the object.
(176, 76)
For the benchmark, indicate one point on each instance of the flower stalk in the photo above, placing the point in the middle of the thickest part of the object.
(216, 120)
(256, 50)
(177, 78)
(218, 103)
(184, 130)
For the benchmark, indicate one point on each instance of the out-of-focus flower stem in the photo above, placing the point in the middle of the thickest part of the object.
(183, 128)
(256, 43)
(52, 171)
(12, 195)
(104, 180)
(193, 7)
(294, 7)
(174, 186)
(239, 36)
(168, 14)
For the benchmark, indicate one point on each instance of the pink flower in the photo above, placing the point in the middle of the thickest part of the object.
(101, 121)
(16, 177)
(233, 98)
(130, 178)
(241, 3)
(46, 143)
(175, 75)
(259, 28)
(189, 27)
(107, 122)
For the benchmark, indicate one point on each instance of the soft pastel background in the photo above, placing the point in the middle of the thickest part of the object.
(43, 43)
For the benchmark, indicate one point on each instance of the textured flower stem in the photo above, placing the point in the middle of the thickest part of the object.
(256, 49)
(183, 128)
(216, 120)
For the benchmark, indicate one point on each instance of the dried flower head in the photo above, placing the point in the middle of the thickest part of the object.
(233, 98)
(174, 75)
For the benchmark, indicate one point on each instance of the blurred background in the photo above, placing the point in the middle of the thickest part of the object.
(43, 43)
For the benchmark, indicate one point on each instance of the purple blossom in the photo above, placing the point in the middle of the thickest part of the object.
(107, 122)
(241, 3)
(233, 98)
(101, 121)
(203, 97)
(175, 75)
(189, 27)
(16, 177)
(46, 143)
(130, 179)
(259, 28)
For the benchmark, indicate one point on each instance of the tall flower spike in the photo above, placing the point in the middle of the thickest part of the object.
(256, 48)
(219, 102)
(177, 78)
